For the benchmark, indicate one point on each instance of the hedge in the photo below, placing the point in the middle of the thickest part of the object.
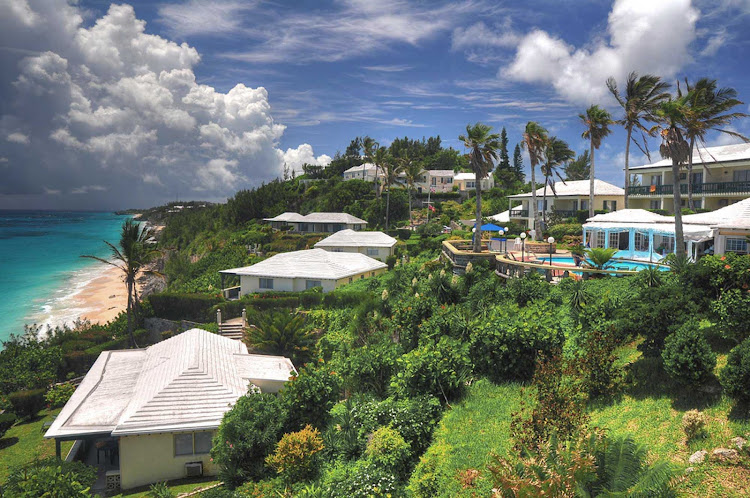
(177, 306)
(275, 300)
(6, 422)
(26, 404)
(562, 229)
(80, 361)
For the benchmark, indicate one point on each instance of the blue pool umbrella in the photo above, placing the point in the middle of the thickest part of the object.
(489, 227)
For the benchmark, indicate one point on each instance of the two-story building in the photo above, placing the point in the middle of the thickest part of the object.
(566, 200)
(468, 181)
(367, 172)
(721, 176)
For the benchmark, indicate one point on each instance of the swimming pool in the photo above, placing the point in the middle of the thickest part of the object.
(617, 264)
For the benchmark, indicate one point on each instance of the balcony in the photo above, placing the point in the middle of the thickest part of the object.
(697, 188)
(519, 213)
(564, 213)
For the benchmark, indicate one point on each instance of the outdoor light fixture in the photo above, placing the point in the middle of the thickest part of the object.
(551, 241)
(523, 245)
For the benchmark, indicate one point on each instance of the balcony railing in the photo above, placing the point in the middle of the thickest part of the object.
(565, 213)
(697, 188)
(519, 213)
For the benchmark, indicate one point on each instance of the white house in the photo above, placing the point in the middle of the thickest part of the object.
(567, 199)
(468, 181)
(301, 270)
(377, 245)
(367, 172)
(317, 222)
(158, 408)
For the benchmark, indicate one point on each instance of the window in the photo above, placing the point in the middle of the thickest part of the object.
(192, 443)
(697, 203)
(697, 177)
(683, 176)
(337, 249)
(614, 240)
(641, 241)
(655, 179)
(575, 205)
(434, 181)
(470, 184)
(601, 238)
(655, 204)
(610, 205)
(742, 175)
(310, 284)
(584, 205)
(373, 251)
(351, 279)
(265, 283)
(736, 245)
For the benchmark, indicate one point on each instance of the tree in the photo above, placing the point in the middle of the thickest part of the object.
(483, 148)
(597, 121)
(556, 153)
(369, 147)
(518, 163)
(641, 98)
(599, 257)
(281, 333)
(672, 115)
(391, 170)
(534, 141)
(710, 111)
(131, 257)
(579, 168)
(504, 164)
(412, 171)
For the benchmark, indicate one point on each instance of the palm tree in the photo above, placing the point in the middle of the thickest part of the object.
(131, 257)
(281, 333)
(483, 152)
(641, 98)
(673, 114)
(534, 142)
(599, 257)
(579, 168)
(710, 108)
(556, 153)
(597, 121)
(369, 147)
(412, 171)
(391, 170)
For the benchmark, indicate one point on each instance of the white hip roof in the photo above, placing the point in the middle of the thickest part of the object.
(575, 188)
(184, 383)
(317, 264)
(708, 156)
(344, 218)
(351, 238)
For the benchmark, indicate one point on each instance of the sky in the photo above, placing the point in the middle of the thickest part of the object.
(112, 106)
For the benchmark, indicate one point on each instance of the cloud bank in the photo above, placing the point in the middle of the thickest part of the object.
(109, 115)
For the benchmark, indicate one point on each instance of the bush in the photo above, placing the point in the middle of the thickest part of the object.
(735, 376)
(404, 233)
(687, 356)
(733, 311)
(529, 288)
(361, 479)
(693, 424)
(436, 368)
(59, 394)
(65, 479)
(309, 396)
(160, 490)
(391, 261)
(560, 230)
(247, 435)
(387, 450)
(597, 363)
(26, 404)
(176, 306)
(6, 422)
(296, 454)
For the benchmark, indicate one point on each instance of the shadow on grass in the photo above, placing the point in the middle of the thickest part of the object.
(740, 412)
(719, 344)
(8, 442)
(646, 378)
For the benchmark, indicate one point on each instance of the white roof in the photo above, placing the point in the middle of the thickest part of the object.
(351, 238)
(576, 188)
(631, 216)
(465, 176)
(316, 264)
(345, 218)
(735, 215)
(184, 383)
(501, 217)
(361, 167)
(691, 232)
(709, 155)
(442, 172)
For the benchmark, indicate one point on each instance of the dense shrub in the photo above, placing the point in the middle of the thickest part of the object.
(504, 346)
(296, 454)
(176, 306)
(387, 450)
(529, 288)
(404, 233)
(735, 376)
(26, 404)
(27, 363)
(597, 363)
(42, 477)
(59, 394)
(560, 230)
(391, 261)
(687, 356)
(247, 435)
(310, 395)
(361, 479)
(6, 422)
(369, 368)
(693, 424)
(733, 312)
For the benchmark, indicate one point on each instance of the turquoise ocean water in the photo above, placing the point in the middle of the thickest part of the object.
(41, 267)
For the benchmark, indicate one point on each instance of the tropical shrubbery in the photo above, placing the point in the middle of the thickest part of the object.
(42, 477)
(735, 376)
(687, 356)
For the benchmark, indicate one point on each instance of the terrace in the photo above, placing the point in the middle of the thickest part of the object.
(717, 188)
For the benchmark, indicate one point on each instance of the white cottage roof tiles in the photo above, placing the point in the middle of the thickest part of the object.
(575, 188)
(351, 238)
(708, 155)
(345, 218)
(361, 168)
(184, 383)
(311, 263)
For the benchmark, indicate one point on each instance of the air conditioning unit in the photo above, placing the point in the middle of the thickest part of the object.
(194, 469)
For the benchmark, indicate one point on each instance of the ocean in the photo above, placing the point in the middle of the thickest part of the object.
(41, 265)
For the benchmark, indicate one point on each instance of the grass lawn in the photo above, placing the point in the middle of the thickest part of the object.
(176, 487)
(24, 442)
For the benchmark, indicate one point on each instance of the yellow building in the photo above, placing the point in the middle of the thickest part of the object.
(148, 415)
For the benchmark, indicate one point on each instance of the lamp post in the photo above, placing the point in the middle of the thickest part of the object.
(551, 241)
(523, 245)
(500, 233)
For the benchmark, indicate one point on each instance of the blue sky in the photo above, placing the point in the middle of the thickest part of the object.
(163, 114)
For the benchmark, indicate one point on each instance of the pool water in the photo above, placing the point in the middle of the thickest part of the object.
(617, 264)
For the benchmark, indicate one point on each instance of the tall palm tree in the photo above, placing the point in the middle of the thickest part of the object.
(484, 148)
(131, 257)
(673, 114)
(710, 111)
(556, 153)
(391, 170)
(579, 168)
(534, 142)
(412, 171)
(369, 147)
(597, 121)
(641, 98)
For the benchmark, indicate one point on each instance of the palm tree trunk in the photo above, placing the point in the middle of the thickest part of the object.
(679, 239)
(532, 208)
(410, 220)
(478, 233)
(627, 165)
(129, 311)
(591, 182)
(690, 174)
(544, 201)
(388, 208)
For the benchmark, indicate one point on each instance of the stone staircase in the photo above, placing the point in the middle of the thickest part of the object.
(232, 330)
